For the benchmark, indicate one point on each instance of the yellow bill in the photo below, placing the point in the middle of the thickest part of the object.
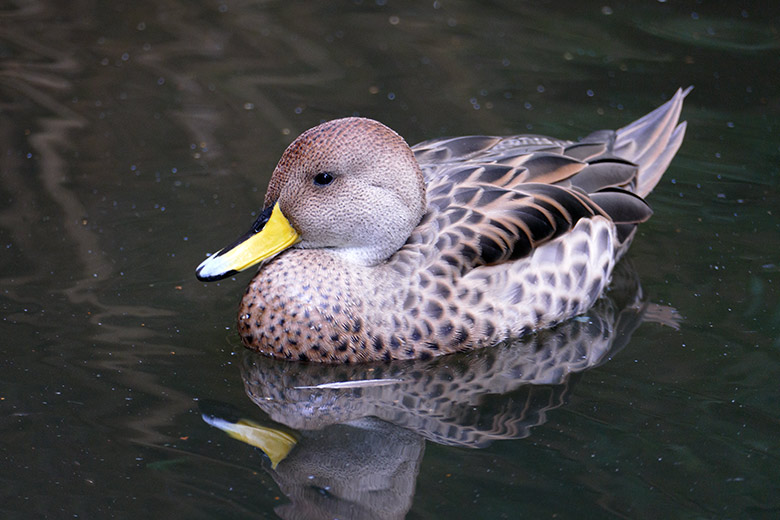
(270, 235)
(274, 442)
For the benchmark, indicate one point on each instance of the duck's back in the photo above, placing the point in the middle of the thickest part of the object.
(522, 191)
(640, 152)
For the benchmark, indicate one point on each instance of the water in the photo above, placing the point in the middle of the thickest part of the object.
(139, 136)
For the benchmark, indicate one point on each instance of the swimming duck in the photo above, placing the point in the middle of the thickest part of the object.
(373, 250)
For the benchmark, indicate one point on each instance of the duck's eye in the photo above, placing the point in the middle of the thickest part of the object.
(323, 179)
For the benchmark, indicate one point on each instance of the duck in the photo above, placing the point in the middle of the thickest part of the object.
(373, 250)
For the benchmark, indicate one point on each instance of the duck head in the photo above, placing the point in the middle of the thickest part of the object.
(351, 186)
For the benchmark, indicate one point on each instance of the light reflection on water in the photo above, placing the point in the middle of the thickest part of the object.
(135, 135)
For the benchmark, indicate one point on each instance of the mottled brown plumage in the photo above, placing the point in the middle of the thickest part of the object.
(393, 253)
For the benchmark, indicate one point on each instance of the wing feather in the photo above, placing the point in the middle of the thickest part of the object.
(493, 200)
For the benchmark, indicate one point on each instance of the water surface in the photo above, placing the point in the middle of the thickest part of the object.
(139, 136)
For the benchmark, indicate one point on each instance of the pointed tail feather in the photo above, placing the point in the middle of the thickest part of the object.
(651, 141)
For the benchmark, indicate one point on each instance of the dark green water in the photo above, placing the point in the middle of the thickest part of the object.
(139, 136)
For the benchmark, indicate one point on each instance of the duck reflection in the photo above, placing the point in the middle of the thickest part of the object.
(348, 440)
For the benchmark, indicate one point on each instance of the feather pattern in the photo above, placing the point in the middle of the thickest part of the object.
(454, 244)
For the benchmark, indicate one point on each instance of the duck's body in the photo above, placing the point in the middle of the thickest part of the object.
(392, 253)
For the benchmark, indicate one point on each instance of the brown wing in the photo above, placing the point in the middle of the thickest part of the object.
(488, 217)
(438, 157)
(493, 199)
